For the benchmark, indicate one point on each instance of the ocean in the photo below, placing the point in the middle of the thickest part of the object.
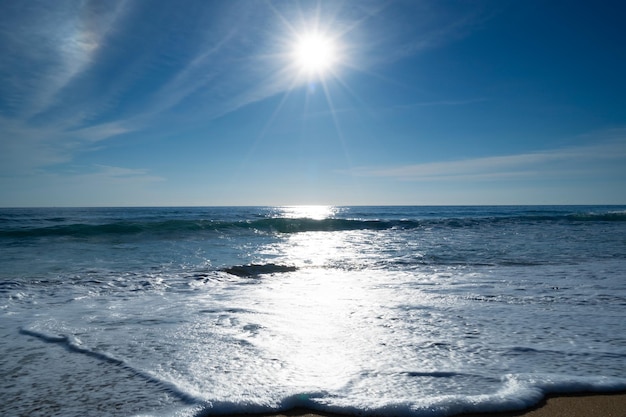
(389, 311)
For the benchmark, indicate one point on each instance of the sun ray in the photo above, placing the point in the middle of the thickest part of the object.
(333, 113)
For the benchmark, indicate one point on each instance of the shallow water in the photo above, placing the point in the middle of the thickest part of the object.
(382, 310)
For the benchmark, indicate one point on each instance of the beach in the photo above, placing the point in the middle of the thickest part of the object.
(574, 405)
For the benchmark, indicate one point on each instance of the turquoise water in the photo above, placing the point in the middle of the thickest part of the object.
(420, 311)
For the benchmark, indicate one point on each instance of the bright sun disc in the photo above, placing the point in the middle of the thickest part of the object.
(314, 53)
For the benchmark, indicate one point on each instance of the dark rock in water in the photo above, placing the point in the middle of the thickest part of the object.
(257, 269)
(200, 276)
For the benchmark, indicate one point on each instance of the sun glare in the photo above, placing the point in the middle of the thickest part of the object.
(308, 212)
(314, 53)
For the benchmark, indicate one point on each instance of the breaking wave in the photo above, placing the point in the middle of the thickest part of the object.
(288, 225)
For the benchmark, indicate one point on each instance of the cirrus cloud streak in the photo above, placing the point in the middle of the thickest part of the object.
(565, 163)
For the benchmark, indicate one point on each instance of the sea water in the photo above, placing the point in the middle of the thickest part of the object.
(408, 311)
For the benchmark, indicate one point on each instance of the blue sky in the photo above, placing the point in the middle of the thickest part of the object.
(107, 103)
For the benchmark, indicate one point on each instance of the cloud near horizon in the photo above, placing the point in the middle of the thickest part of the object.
(569, 163)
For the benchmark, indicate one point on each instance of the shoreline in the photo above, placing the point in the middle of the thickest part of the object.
(586, 404)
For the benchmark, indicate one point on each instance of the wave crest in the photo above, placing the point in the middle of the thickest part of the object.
(284, 225)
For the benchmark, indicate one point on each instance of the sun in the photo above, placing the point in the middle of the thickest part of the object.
(314, 53)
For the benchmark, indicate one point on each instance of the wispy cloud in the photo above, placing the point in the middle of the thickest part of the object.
(45, 46)
(94, 185)
(416, 27)
(74, 74)
(106, 173)
(451, 102)
(26, 149)
(568, 162)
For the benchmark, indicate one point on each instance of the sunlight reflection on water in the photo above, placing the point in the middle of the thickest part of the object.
(313, 327)
(322, 321)
(306, 212)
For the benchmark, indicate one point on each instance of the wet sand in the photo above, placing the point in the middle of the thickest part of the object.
(579, 405)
